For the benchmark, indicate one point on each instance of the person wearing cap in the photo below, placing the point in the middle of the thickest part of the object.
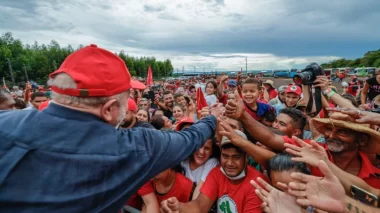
(232, 86)
(184, 123)
(280, 98)
(348, 145)
(292, 96)
(228, 185)
(86, 163)
(269, 85)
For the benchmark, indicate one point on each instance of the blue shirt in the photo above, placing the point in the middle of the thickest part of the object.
(62, 160)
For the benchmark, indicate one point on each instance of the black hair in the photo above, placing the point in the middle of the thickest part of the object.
(231, 145)
(167, 92)
(37, 94)
(191, 87)
(351, 98)
(19, 103)
(253, 81)
(145, 111)
(154, 112)
(283, 162)
(214, 84)
(158, 122)
(270, 116)
(178, 95)
(299, 119)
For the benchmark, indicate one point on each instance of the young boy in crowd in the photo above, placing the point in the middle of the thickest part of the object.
(251, 91)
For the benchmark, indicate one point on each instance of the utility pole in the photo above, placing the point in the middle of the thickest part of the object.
(246, 66)
(11, 71)
(183, 70)
(204, 72)
(26, 73)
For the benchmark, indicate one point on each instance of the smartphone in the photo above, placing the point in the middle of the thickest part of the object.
(364, 196)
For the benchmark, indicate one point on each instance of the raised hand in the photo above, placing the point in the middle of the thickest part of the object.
(235, 108)
(217, 110)
(170, 205)
(223, 79)
(230, 133)
(357, 116)
(325, 193)
(308, 153)
(274, 200)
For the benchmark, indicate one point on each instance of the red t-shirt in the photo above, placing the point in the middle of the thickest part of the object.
(272, 93)
(182, 190)
(233, 198)
(368, 172)
(223, 99)
(136, 201)
(252, 112)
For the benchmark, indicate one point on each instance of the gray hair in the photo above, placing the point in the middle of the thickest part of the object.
(64, 81)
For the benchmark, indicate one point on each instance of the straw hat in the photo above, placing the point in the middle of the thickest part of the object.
(373, 146)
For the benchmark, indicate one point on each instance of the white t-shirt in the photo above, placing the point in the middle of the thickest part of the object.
(200, 173)
(211, 100)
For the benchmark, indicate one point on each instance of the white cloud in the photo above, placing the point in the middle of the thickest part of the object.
(204, 33)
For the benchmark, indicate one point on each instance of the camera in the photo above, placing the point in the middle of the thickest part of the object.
(308, 75)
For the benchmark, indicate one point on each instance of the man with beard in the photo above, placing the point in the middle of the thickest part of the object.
(73, 154)
(345, 146)
(167, 104)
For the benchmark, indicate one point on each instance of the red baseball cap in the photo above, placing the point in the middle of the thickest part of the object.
(132, 106)
(182, 122)
(293, 89)
(96, 71)
(43, 105)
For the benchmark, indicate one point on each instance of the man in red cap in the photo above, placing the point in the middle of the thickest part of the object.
(82, 161)
(292, 96)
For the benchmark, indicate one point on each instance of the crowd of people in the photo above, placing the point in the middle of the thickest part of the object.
(91, 141)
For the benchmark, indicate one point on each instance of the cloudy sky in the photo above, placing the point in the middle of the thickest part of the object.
(205, 34)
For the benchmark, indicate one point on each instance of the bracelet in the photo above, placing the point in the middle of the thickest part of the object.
(327, 91)
(331, 93)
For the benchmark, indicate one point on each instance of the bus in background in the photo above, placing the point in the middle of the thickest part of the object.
(292, 73)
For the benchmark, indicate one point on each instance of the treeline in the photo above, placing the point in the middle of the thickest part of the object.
(36, 61)
(370, 59)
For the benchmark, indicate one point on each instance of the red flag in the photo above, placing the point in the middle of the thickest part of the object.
(201, 101)
(149, 77)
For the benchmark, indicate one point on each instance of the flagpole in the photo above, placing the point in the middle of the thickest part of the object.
(10, 70)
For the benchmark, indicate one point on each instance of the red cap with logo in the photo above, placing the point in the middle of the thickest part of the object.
(294, 89)
(182, 122)
(96, 71)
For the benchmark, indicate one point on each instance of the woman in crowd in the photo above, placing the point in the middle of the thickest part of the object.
(200, 163)
(143, 115)
(178, 113)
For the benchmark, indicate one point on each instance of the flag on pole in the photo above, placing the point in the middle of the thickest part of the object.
(149, 77)
(201, 101)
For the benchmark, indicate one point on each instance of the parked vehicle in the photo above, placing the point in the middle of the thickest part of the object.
(267, 73)
(292, 72)
(281, 73)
